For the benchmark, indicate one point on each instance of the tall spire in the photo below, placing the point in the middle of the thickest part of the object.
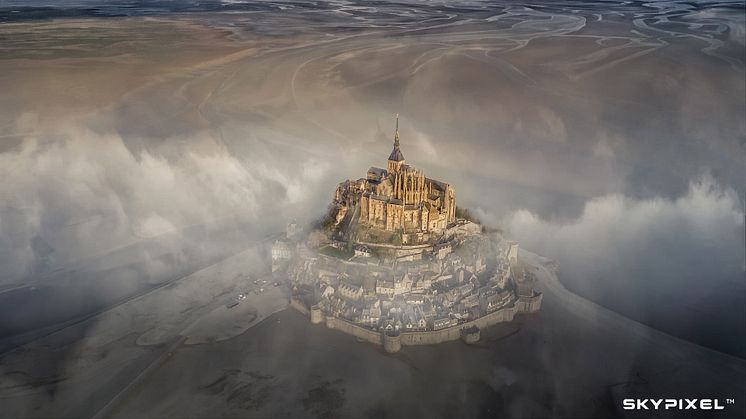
(396, 134)
(396, 158)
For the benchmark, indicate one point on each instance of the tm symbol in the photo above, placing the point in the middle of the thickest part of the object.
(730, 401)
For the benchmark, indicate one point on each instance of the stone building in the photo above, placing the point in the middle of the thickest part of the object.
(399, 199)
(350, 291)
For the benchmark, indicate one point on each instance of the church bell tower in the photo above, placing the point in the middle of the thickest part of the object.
(396, 158)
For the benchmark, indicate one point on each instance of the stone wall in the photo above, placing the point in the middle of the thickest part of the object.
(298, 305)
(353, 329)
(525, 304)
(530, 304)
(392, 342)
(470, 335)
(411, 248)
(448, 334)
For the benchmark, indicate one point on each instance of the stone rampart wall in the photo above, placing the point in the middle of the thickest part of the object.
(530, 304)
(524, 304)
(396, 246)
(448, 334)
(298, 305)
(353, 329)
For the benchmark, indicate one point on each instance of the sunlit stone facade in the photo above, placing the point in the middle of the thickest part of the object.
(399, 198)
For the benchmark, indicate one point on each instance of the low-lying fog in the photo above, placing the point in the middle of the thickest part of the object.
(609, 138)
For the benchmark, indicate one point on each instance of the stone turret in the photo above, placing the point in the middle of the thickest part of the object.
(391, 341)
(317, 316)
(470, 335)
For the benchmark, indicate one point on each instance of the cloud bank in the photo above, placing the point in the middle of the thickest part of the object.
(72, 193)
(643, 257)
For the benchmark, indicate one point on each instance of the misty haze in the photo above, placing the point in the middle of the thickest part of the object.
(152, 152)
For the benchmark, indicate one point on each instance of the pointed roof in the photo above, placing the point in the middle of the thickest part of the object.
(396, 154)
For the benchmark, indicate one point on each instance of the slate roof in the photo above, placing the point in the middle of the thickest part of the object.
(396, 154)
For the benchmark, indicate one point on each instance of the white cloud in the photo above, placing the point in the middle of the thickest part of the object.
(70, 192)
(696, 237)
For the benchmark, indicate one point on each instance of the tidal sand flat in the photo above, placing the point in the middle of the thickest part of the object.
(78, 370)
(572, 359)
(143, 142)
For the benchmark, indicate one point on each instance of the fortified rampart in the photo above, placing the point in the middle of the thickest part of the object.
(352, 329)
(392, 343)
(400, 250)
(470, 335)
(529, 304)
(317, 316)
(448, 334)
(298, 305)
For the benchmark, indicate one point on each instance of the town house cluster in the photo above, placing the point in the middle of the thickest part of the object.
(427, 294)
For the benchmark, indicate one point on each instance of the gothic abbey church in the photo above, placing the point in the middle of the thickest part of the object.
(398, 199)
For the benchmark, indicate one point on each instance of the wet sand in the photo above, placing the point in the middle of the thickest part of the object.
(573, 359)
(78, 370)
(539, 107)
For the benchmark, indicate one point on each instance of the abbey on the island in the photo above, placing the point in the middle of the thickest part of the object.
(398, 199)
(393, 265)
